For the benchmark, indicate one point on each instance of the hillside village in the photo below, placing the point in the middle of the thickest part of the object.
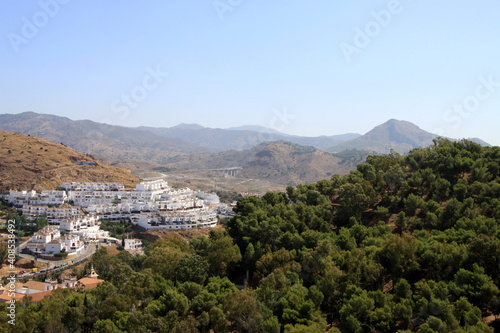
(74, 212)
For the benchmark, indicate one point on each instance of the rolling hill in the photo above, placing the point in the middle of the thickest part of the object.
(282, 162)
(112, 142)
(29, 163)
(292, 164)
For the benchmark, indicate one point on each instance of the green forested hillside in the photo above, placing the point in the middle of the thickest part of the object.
(406, 244)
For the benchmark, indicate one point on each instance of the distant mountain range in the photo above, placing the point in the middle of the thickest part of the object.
(289, 159)
(29, 163)
(241, 138)
(113, 142)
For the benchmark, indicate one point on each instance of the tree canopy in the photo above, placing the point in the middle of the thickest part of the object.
(404, 243)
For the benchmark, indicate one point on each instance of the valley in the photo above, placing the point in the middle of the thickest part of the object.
(192, 150)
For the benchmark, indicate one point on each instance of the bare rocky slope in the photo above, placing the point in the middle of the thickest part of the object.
(28, 162)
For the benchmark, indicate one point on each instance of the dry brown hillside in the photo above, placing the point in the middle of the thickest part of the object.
(291, 164)
(28, 162)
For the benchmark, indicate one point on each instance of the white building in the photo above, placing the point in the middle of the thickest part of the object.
(49, 198)
(20, 198)
(54, 215)
(70, 281)
(154, 185)
(89, 194)
(87, 186)
(31, 212)
(126, 210)
(54, 246)
(57, 214)
(88, 198)
(111, 212)
(73, 243)
(188, 219)
(179, 194)
(86, 227)
(70, 243)
(78, 223)
(209, 198)
(42, 237)
(139, 196)
(133, 245)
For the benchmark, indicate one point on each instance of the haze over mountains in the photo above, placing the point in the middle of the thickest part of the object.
(119, 143)
(261, 152)
(244, 137)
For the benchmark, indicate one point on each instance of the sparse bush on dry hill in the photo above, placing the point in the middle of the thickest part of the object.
(28, 162)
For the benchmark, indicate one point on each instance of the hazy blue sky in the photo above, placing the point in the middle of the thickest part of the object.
(302, 67)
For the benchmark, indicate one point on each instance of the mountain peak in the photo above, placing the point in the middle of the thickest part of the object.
(397, 122)
(189, 126)
(255, 128)
(400, 135)
(396, 125)
(393, 120)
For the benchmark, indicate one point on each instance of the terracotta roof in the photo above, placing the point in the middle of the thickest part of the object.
(89, 286)
(37, 297)
(89, 281)
(35, 285)
(19, 285)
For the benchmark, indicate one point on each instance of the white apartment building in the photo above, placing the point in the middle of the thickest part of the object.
(126, 210)
(83, 222)
(122, 210)
(89, 194)
(187, 219)
(178, 194)
(93, 233)
(57, 214)
(20, 198)
(139, 196)
(47, 198)
(88, 198)
(154, 185)
(31, 212)
(86, 227)
(54, 214)
(87, 186)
